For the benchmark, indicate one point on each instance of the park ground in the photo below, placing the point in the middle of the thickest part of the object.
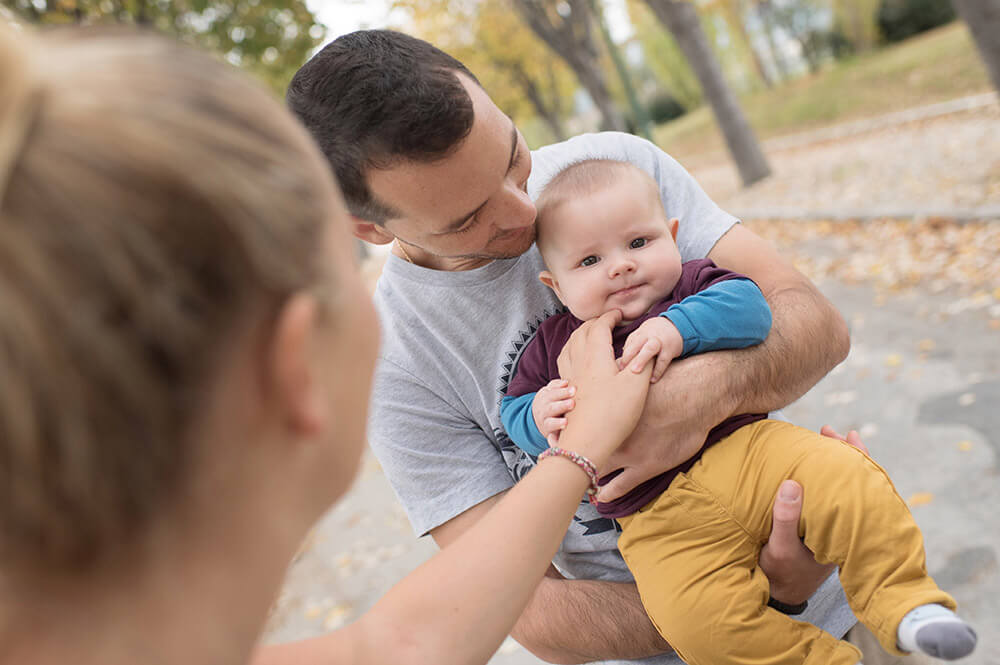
(896, 219)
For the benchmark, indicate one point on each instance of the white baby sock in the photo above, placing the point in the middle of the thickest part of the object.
(936, 631)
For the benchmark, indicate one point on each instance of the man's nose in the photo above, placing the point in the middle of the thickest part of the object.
(518, 210)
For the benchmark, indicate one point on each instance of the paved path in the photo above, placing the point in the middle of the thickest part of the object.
(922, 165)
(922, 382)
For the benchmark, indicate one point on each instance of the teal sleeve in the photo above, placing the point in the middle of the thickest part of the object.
(517, 419)
(728, 315)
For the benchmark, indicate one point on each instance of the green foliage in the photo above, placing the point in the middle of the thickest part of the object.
(664, 107)
(271, 38)
(828, 43)
(663, 57)
(522, 75)
(856, 21)
(899, 19)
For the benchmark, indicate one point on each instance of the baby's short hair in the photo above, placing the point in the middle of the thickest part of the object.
(585, 177)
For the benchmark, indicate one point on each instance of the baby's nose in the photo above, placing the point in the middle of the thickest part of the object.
(622, 267)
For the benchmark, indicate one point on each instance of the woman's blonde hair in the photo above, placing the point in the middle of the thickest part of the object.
(150, 196)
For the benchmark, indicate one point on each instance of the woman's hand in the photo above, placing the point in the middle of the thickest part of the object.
(608, 401)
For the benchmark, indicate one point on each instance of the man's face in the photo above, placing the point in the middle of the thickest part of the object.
(611, 249)
(471, 206)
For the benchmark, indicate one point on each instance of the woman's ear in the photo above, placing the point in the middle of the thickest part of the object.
(371, 232)
(294, 383)
(549, 280)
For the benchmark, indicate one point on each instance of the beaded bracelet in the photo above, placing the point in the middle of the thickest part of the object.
(582, 462)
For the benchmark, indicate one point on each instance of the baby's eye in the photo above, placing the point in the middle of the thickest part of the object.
(589, 261)
(637, 243)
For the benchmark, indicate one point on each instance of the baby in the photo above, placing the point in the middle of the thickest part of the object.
(691, 536)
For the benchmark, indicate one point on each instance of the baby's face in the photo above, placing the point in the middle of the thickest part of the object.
(611, 249)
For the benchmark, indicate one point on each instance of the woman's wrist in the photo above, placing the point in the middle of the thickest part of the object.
(582, 462)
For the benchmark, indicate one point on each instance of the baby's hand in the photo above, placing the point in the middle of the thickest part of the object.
(657, 337)
(550, 406)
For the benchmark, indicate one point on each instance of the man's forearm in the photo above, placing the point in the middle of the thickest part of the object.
(580, 621)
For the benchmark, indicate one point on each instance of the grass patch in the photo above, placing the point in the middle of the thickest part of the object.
(932, 67)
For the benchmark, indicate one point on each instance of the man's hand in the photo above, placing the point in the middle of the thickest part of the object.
(789, 565)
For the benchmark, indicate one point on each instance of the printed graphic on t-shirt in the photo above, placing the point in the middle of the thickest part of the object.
(518, 462)
(517, 348)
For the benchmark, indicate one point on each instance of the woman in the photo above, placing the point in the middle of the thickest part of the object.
(187, 354)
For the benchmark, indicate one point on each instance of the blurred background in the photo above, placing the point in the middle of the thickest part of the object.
(862, 137)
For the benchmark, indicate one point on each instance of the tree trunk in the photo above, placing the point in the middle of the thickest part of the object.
(734, 17)
(571, 38)
(983, 19)
(640, 117)
(681, 18)
(766, 13)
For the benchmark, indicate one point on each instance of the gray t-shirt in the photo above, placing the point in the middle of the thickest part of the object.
(450, 342)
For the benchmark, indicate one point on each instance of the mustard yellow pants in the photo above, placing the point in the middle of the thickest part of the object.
(693, 550)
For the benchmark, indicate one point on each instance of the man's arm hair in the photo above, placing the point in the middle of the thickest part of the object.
(573, 621)
(581, 621)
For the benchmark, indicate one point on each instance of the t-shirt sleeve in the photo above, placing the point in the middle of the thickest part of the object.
(702, 222)
(438, 461)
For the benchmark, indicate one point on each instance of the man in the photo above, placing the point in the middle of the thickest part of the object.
(428, 162)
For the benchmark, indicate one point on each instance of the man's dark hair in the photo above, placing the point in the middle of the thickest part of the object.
(376, 97)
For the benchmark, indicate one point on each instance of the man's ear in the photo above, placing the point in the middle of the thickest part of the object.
(370, 231)
(294, 384)
(673, 224)
(549, 280)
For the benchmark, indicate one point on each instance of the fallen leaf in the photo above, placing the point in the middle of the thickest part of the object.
(926, 345)
(893, 360)
(920, 499)
(965, 446)
(967, 399)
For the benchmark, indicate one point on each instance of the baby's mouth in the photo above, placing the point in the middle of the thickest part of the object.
(627, 291)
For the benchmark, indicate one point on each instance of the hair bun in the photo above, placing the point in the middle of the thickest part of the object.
(20, 94)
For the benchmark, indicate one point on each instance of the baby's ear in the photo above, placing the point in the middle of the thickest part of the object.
(549, 280)
(672, 224)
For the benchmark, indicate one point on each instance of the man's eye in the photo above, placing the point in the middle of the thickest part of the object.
(637, 243)
(589, 261)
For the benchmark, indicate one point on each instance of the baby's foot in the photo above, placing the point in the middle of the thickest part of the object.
(936, 631)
